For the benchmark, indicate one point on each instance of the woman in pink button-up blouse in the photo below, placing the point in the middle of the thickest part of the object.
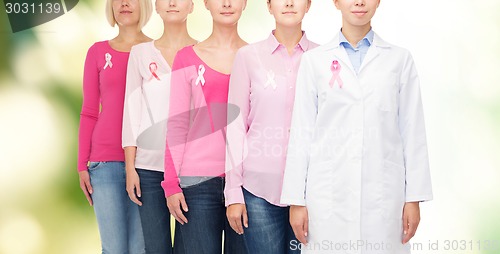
(262, 86)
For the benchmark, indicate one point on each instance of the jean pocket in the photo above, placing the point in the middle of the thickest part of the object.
(94, 165)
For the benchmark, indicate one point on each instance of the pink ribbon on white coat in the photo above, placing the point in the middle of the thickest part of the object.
(153, 67)
(109, 64)
(336, 68)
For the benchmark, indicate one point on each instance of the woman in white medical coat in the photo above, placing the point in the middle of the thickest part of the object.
(357, 164)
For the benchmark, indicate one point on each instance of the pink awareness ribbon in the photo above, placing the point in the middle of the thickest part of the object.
(153, 67)
(336, 68)
(270, 80)
(201, 78)
(109, 64)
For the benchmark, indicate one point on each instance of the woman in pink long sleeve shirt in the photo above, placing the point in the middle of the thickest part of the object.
(262, 86)
(100, 156)
(144, 122)
(195, 154)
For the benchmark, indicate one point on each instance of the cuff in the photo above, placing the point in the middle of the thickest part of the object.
(291, 201)
(82, 167)
(421, 198)
(170, 188)
(133, 144)
(234, 196)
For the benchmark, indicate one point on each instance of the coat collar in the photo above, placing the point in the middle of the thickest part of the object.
(341, 54)
(377, 41)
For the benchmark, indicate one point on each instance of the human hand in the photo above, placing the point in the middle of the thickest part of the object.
(411, 219)
(174, 204)
(236, 214)
(133, 186)
(85, 185)
(299, 221)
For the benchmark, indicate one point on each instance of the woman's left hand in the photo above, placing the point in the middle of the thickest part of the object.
(411, 219)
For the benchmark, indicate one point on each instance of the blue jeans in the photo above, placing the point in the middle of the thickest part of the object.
(155, 216)
(269, 230)
(207, 221)
(118, 217)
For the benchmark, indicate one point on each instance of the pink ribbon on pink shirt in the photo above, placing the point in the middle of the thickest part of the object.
(201, 78)
(153, 67)
(109, 64)
(336, 68)
(270, 80)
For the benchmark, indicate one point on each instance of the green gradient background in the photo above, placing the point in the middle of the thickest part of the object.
(455, 45)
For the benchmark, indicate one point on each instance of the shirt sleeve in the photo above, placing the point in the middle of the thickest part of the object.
(132, 107)
(304, 115)
(177, 124)
(90, 107)
(238, 103)
(412, 130)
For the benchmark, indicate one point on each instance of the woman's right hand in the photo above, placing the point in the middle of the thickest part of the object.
(174, 204)
(299, 220)
(236, 214)
(85, 185)
(133, 186)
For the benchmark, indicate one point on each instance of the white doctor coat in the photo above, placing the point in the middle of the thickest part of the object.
(357, 149)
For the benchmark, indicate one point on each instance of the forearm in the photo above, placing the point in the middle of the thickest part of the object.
(130, 152)
(85, 130)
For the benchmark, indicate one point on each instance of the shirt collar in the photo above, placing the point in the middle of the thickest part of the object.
(367, 40)
(335, 42)
(273, 43)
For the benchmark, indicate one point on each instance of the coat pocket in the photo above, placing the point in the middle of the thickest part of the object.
(319, 190)
(394, 185)
(387, 91)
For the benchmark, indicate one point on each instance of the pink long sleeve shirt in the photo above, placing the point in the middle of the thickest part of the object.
(146, 105)
(197, 117)
(99, 137)
(262, 85)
